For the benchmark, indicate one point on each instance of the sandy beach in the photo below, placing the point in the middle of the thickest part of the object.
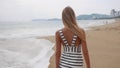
(103, 45)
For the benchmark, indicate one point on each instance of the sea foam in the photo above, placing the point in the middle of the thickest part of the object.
(25, 53)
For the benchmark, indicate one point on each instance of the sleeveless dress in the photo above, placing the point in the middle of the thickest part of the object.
(71, 56)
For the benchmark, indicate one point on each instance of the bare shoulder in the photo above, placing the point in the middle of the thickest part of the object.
(83, 31)
(57, 33)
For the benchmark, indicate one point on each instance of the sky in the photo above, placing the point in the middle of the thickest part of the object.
(26, 10)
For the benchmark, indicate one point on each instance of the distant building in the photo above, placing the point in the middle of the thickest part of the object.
(119, 13)
(115, 13)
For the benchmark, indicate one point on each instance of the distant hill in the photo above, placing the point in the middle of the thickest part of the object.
(92, 16)
(38, 19)
(53, 19)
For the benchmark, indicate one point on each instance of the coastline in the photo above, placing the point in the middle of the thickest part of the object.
(103, 45)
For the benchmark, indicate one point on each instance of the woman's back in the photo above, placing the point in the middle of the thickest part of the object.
(71, 56)
(69, 35)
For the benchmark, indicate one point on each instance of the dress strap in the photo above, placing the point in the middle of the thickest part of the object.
(63, 37)
(74, 40)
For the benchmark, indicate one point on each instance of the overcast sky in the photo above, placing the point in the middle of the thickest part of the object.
(26, 10)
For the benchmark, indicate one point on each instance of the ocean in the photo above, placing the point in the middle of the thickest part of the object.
(20, 48)
(10, 30)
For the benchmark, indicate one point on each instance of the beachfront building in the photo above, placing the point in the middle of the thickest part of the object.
(115, 13)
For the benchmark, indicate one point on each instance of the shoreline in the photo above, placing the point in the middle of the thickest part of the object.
(103, 44)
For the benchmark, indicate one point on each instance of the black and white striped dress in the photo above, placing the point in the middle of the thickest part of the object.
(71, 56)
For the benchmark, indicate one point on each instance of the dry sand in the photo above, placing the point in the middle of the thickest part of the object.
(103, 45)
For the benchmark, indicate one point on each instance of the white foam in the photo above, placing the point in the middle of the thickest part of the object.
(25, 53)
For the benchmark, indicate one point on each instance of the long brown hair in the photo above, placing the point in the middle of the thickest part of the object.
(69, 20)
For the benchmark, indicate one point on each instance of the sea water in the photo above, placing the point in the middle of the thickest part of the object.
(40, 28)
(20, 48)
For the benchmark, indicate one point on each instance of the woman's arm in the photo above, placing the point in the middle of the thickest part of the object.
(85, 50)
(58, 49)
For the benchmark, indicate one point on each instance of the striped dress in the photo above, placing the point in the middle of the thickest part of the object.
(71, 56)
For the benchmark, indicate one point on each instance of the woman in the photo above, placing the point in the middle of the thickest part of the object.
(73, 40)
